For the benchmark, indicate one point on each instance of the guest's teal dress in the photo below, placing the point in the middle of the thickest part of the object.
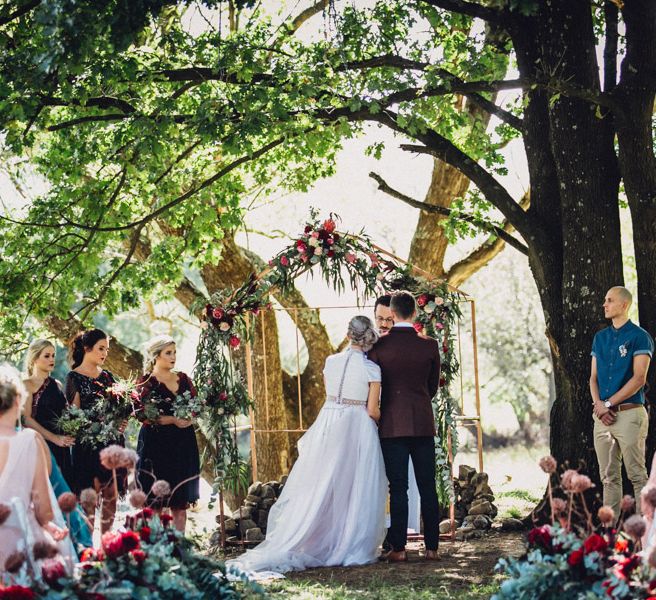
(78, 528)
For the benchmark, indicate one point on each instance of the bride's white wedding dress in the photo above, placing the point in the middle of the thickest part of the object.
(21, 530)
(332, 508)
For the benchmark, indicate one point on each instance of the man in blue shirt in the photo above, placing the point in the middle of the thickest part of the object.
(620, 360)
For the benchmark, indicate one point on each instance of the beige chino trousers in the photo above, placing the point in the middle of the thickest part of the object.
(623, 440)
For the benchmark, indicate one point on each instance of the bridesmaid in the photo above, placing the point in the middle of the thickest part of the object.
(168, 450)
(45, 404)
(85, 382)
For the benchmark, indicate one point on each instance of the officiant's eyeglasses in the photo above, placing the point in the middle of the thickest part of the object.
(387, 321)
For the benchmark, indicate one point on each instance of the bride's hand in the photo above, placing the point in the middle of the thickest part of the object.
(57, 533)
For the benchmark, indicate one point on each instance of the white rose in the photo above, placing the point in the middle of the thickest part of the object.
(318, 251)
(220, 411)
(439, 301)
(314, 242)
(429, 308)
(224, 326)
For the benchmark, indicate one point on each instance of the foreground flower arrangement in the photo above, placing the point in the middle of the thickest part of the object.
(587, 561)
(230, 317)
(148, 558)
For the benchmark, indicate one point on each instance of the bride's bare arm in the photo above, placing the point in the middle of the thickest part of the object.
(373, 402)
(40, 492)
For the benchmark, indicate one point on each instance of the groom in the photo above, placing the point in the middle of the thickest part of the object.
(410, 366)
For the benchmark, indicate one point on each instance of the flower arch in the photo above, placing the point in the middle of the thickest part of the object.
(341, 258)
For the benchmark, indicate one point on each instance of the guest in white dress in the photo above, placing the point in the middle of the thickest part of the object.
(332, 509)
(26, 497)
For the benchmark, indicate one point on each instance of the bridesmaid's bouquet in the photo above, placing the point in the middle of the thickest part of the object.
(186, 406)
(150, 407)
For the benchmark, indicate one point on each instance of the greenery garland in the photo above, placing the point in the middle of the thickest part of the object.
(220, 382)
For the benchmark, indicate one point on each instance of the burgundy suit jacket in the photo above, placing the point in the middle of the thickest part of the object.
(410, 366)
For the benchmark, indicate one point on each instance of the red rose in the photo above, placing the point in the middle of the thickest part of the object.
(138, 555)
(329, 225)
(330, 253)
(308, 228)
(421, 301)
(575, 558)
(301, 246)
(147, 513)
(129, 541)
(594, 543)
(284, 261)
(540, 536)
(218, 313)
(52, 571)
(144, 533)
(234, 341)
(166, 519)
(223, 396)
(112, 544)
(330, 241)
(16, 592)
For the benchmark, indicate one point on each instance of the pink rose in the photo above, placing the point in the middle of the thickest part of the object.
(234, 342)
(350, 257)
(422, 300)
(284, 261)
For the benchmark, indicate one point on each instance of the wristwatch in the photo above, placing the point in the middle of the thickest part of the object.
(608, 404)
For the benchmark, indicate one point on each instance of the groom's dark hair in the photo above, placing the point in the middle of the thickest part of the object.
(403, 305)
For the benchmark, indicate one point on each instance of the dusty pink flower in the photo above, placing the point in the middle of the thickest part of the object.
(15, 561)
(161, 488)
(548, 464)
(559, 506)
(566, 479)
(5, 511)
(129, 458)
(67, 502)
(606, 515)
(350, 257)
(581, 483)
(627, 504)
(43, 549)
(635, 526)
(284, 261)
(112, 457)
(137, 498)
(88, 500)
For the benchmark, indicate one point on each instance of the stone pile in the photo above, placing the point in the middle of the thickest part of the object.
(474, 505)
(249, 522)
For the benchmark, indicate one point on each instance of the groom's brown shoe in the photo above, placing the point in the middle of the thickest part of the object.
(396, 556)
(432, 555)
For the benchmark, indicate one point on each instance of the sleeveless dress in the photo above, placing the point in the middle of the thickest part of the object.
(86, 457)
(21, 529)
(48, 403)
(168, 452)
(332, 508)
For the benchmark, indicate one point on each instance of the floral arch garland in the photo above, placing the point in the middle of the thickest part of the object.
(221, 384)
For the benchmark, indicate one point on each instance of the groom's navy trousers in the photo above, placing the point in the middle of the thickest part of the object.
(396, 451)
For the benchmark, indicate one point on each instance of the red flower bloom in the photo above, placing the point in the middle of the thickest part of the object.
(138, 555)
(112, 544)
(16, 592)
(88, 555)
(540, 536)
(329, 225)
(144, 533)
(575, 557)
(147, 513)
(330, 253)
(422, 300)
(223, 396)
(621, 545)
(52, 571)
(284, 261)
(301, 247)
(234, 341)
(218, 313)
(129, 541)
(442, 381)
(595, 543)
(308, 228)
(166, 519)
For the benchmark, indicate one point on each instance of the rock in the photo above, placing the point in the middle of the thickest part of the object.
(465, 473)
(477, 534)
(255, 488)
(468, 521)
(463, 532)
(253, 498)
(268, 492)
(479, 479)
(267, 503)
(254, 534)
(246, 524)
(482, 522)
(511, 524)
(262, 518)
(275, 485)
(230, 524)
(244, 512)
(445, 526)
(477, 501)
(283, 480)
(484, 508)
(215, 538)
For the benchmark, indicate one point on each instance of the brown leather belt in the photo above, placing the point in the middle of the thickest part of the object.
(628, 406)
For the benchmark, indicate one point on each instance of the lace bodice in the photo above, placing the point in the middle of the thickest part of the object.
(360, 372)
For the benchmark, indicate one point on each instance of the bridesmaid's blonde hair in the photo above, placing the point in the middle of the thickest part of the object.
(34, 351)
(152, 350)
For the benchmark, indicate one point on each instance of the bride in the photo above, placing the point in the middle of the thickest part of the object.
(27, 503)
(332, 508)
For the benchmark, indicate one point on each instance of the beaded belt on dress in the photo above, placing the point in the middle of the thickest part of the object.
(346, 401)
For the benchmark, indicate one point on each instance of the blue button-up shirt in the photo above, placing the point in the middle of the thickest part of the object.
(614, 350)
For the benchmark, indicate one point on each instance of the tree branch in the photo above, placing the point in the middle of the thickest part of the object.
(499, 232)
(19, 12)
(98, 101)
(470, 9)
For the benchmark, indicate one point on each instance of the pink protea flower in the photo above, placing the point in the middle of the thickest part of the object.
(548, 464)
(129, 458)
(112, 457)
(559, 506)
(161, 488)
(5, 511)
(15, 561)
(581, 483)
(137, 498)
(635, 526)
(627, 504)
(43, 549)
(606, 515)
(566, 479)
(67, 502)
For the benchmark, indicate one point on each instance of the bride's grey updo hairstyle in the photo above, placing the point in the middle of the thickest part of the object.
(361, 332)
